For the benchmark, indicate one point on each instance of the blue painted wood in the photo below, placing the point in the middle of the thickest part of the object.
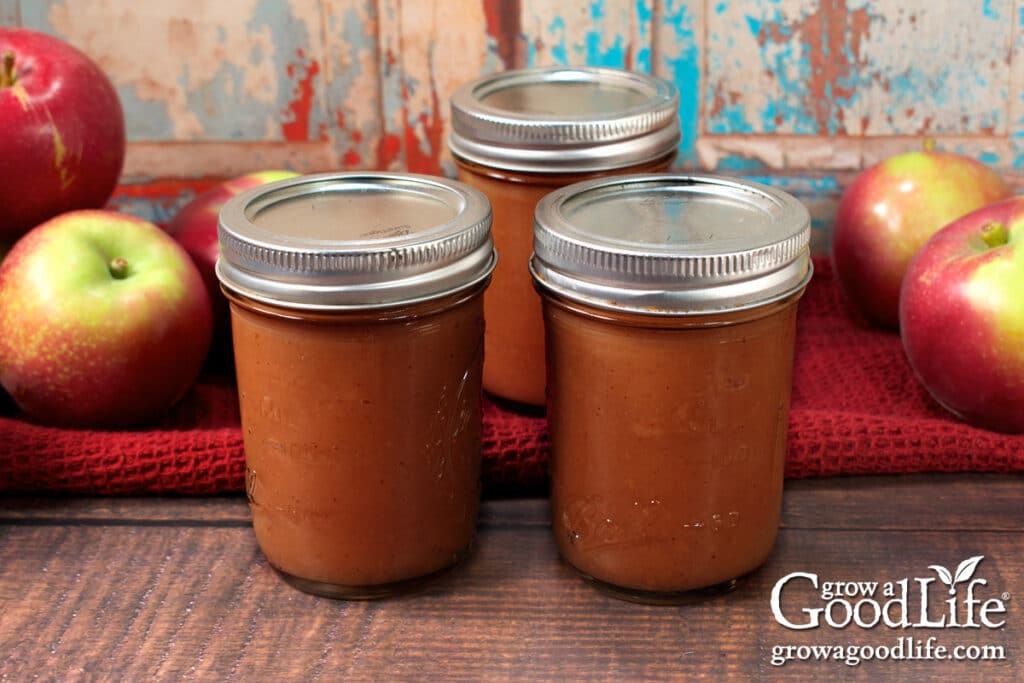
(807, 88)
(10, 13)
(212, 75)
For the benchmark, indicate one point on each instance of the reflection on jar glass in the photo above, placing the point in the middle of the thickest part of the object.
(357, 317)
(520, 134)
(670, 308)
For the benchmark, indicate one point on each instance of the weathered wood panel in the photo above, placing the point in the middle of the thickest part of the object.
(678, 54)
(841, 67)
(352, 74)
(848, 77)
(188, 70)
(790, 91)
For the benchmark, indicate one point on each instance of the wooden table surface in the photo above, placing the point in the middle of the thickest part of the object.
(175, 588)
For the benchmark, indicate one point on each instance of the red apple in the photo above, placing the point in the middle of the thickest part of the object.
(962, 316)
(887, 214)
(195, 228)
(62, 140)
(104, 321)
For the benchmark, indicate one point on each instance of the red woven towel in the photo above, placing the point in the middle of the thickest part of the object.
(857, 409)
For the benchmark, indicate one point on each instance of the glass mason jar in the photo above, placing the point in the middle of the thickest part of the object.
(357, 316)
(520, 134)
(670, 309)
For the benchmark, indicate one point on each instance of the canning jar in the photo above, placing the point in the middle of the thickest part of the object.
(670, 307)
(520, 134)
(357, 318)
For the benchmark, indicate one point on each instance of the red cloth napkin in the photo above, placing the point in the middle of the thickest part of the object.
(857, 409)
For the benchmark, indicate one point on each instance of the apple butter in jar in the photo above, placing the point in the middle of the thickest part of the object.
(520, 134)
(670, 306)
(357, 315)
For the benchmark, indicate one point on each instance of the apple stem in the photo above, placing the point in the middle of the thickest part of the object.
(7, 78)
(994, 234)
(119, 268)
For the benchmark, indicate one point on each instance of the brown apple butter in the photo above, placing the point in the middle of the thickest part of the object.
(670, 309)
(520, 134)
(357, 313)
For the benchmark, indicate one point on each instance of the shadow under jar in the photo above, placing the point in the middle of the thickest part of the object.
(357, 320)
(670, 310)
(518, 135)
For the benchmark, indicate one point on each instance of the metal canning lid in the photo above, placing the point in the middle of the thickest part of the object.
(354, 240)
(564, 119)
(671, 244)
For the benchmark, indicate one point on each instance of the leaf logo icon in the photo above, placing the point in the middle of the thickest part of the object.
(964, 571)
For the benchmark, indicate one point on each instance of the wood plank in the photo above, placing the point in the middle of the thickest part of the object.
(425, 51)
(352, 74)
(57, 509)
(148, 602)
(610, 33)
(1016, 88)
(678, 53)
(203, 71)
(809, 68)
(921, 501)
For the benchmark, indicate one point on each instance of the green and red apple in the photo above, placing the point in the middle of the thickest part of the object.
(890, 210)
(104, 321)
(195, 228)
(962, 316)
(62, 138)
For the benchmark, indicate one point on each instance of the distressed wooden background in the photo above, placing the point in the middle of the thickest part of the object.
(798, 93)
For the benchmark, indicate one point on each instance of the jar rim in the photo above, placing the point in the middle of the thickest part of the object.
(353, 240)
(602, 118)
(671, 243)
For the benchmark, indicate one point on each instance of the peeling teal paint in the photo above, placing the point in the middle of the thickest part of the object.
(929, 85)
(391, 94)
(144, 119)
(990, 158)
(799, 184)
(531, 53)
(289, 36)
(685, 71)
(909, 79)
(731, 119)
(614, 56)
(1017, 127)
(644, 16)
(738, 163)
(159, 210)
(591, 51)
(355, 32)
(558, 50)
(792, 70)
(642, 61)
(222, 117)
